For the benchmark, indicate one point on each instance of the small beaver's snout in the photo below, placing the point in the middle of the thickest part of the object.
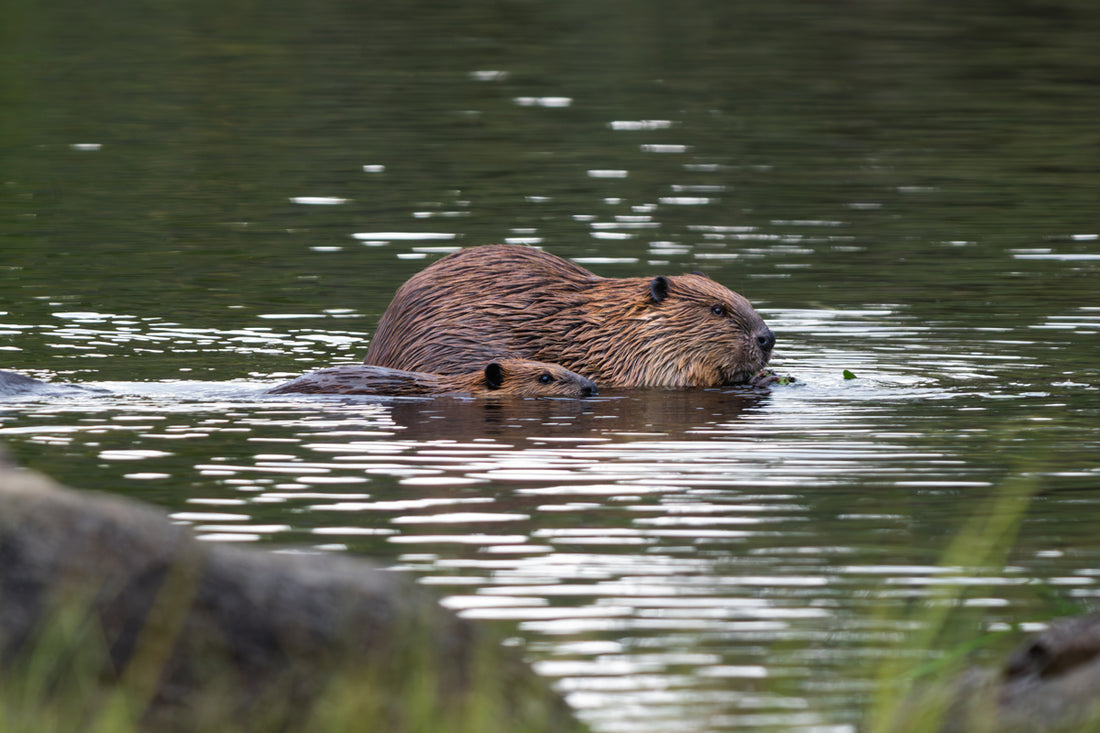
(764, 338)
(589, 389)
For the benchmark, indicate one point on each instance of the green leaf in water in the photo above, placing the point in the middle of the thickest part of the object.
(849, 375)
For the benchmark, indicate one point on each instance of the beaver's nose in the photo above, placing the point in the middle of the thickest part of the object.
(589, 390)
(765, 339)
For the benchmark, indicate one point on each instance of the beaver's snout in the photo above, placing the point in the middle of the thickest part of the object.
(764, 338)
(589, 389)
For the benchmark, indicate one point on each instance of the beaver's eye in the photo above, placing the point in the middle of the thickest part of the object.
(545, 378)
(718, 310)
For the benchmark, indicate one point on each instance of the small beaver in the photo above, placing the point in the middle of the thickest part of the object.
(486, 303)
(506, 377)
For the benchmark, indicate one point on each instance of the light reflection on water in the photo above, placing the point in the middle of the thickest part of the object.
(701, 561)
(717, 552)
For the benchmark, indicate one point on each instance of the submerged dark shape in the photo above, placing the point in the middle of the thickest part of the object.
(507, 301)
(13, 384)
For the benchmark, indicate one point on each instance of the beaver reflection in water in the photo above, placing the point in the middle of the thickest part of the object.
(505, 377)
(499, 301)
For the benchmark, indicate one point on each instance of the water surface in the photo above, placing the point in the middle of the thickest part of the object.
(906, 194)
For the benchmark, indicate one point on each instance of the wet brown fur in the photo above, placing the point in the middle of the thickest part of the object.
(503, 377)
(499, 301)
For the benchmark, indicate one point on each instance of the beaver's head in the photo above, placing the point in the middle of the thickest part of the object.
(700, 334)
(522, 378)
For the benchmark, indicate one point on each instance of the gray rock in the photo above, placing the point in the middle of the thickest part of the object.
(208, 634)
(1050, 683)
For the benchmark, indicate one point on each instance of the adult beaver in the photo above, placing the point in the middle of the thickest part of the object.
(499, 301)
(506, 377)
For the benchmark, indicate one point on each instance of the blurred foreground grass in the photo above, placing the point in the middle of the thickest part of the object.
(64, 679)
(930, 682)
(57, 684)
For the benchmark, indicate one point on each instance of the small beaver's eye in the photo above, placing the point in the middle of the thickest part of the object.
(545, 378)
(718, 310)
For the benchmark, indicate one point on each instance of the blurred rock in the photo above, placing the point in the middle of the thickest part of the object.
(1050, 683)
(211, 636)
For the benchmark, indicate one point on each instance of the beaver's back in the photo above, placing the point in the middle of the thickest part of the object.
(476, 305)
(362, 379)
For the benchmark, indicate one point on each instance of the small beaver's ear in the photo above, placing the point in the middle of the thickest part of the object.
(494, 375)
(658, 288)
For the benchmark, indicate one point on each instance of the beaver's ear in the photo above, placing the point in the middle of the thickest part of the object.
(494, 375)
(658, 288)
